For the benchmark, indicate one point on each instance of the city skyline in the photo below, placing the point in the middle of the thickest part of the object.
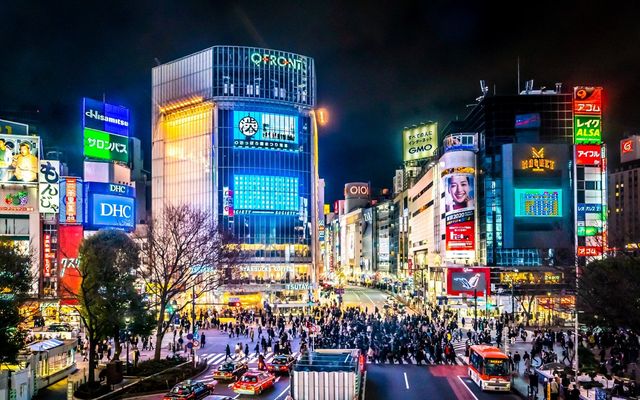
(380, 69)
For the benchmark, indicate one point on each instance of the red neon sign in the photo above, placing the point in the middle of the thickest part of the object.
(588, 154)
(627, 146)
(589, 251)
(587, 100)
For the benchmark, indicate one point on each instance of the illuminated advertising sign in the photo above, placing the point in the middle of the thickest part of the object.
(588, 230)
(537, 161)
(48, 255)
(13, 128)
(589, 251)
(18, 200)
(19, 159)
(71, 200)
(420, 141)
(626, 146)
(100, 116)
(587, 100)
(101, 145)
(258, 130)
(69, 240)
(587, 129)
(460, 141)
(538, 202)
(49, 186)
(256, 194)
(458, 183)
(284, 60)
(528, 121)
(468, 281)
(588, 154)
(356, 190)
(227, 202)
(110, 206)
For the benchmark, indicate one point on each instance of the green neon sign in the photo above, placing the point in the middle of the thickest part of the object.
(587, 129)
(105, 146)
(588, 231)
(278, 61)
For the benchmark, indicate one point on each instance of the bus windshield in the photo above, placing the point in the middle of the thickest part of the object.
(496, 367)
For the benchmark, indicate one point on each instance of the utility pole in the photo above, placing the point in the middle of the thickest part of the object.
(193, 324)
(475, 309)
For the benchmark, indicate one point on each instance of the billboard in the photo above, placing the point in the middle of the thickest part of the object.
(13, 128)
(69, 240)
(460, 141)
(587, 100)
(18, 199)
(588, 154)
(227, 202)
(264, 194)
(528, 121)
(538, 202)
(420, 141)
(110, 206)
(49, 186)
(101, 116)
(458, 184)
(48, 255)
(356, 190)
(258, 130)
(19, 159)
(71, 200)
(630, 149)
(587, 129)
(467, 280)
(101, 145)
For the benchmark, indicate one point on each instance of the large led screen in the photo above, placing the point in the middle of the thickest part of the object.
(105, 117)
(254, 194)
(538, 202)
(258, 130)
(19, 160)
(110, 206)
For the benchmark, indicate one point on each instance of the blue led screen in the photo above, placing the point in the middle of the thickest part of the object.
(254, 194)
(269, 131)
(106, 117)
(538, 202)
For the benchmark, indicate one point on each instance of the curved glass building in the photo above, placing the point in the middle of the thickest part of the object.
(234, 132)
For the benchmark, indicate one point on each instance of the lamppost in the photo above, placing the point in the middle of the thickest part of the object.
(193, 325)
(513, 307)
(126, 338)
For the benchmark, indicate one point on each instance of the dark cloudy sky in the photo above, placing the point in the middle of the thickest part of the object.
(381, 65)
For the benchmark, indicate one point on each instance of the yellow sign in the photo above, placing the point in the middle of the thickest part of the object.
(537, 162)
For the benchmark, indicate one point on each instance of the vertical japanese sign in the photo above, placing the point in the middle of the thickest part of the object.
(71, 200)
(69, 240)
(48, 255)
(49, 186)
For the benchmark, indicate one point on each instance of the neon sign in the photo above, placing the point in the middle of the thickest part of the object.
(537, 162)
(627, 146)
(278, 61)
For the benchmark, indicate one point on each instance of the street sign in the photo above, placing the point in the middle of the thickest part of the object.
(196, 343)
(190, 337)
(189, 345)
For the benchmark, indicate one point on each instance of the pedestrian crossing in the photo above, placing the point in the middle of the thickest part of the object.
(251, 360)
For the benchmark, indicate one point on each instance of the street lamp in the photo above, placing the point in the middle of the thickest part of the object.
(513, 307)
(126, 338)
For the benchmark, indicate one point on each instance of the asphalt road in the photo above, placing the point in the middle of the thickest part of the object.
(383, 381)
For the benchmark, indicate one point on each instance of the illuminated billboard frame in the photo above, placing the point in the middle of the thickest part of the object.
(110, 206)
(101, 145)
(420, 142)
(538, 203)
(587, 129)
(266, 194)
(19, 159)
(101, 116)
(266, 131)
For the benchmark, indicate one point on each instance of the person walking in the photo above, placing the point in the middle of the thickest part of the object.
(554, 388)
(227, 352)
(516, 361)
(203, 339)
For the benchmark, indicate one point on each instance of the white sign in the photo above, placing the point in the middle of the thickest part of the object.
(49, 196)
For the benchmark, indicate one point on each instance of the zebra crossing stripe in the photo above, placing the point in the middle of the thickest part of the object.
(215, 358)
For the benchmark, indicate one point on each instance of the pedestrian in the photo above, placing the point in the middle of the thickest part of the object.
(246, 350)
(516, 361)
(227, 352)
(574, 394)
(203, 339)
(554, 388)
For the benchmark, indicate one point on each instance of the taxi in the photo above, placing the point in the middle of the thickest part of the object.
(230, 371)
(254, 382)
(189, 390)
(280, 363)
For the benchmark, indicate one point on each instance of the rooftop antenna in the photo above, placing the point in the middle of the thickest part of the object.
(518, 75)
(483, 87)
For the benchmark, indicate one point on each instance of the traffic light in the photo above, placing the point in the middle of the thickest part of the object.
(234, 304)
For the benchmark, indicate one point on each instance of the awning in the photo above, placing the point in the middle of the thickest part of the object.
(45, 345)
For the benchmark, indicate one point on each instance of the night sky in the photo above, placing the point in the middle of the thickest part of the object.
(381, 65)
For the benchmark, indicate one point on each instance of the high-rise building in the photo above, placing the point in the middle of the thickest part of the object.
(234, 132)
(624, 197)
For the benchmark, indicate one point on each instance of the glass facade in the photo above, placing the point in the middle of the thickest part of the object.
(234, 132)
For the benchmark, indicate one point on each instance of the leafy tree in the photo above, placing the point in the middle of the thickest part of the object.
(184, 253)
(608, 292)
(107, 263)
(15, 283)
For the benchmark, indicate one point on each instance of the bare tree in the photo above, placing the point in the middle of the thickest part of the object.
(184, 252)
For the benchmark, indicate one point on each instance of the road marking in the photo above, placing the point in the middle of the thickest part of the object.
(277, 379)
(283, 392)
(374, 304)
(406, 381)
(216, 359)
(237, 396)
(468, 388)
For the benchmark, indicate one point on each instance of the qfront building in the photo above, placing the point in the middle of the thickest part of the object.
(234, 132)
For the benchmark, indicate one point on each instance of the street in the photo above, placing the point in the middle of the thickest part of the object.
(408, 381)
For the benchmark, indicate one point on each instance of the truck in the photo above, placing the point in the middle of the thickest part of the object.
(326, 374)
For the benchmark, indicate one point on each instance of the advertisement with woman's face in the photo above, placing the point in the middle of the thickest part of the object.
(459, 193)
